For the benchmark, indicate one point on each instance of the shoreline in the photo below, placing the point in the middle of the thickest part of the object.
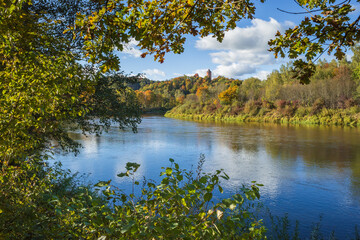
(337, 119)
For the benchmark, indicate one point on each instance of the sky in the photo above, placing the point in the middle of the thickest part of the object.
(242, 54)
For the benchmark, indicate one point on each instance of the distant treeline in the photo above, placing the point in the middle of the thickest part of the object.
(168, 94)
(332, 97)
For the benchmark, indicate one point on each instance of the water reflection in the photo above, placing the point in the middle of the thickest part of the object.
(306, 170)
(313, 152)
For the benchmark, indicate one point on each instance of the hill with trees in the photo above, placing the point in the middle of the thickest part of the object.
(331, 97)
(165, 95)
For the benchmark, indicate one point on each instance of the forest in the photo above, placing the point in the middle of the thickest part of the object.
(331, 98)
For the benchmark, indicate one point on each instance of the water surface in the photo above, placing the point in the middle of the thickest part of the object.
(307, 171)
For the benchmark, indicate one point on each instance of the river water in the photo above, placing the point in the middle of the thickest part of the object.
(307, 171)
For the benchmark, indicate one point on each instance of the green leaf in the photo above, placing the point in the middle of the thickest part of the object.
(208, 196)
(168, 171)
(102, 183)
(127, 227)
(221, 189)
(122, 174)
(203, 179)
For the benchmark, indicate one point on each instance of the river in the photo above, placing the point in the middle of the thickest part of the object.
(307, 171)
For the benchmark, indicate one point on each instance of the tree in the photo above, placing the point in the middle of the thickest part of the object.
(202, 93)
(328, 29)
(251, 88)
(227, 96)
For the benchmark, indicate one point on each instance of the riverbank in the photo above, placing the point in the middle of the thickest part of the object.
(338, 117)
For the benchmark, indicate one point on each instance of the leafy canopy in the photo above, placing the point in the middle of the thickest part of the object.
(327, 27)
(45, 85)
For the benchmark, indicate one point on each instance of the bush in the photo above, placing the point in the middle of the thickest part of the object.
(252, 107)
(28, 193)
(267, 104)
(280, 104)
(301, 112)
(354, 110)
(317, 106)
(288, 111)
(180, 207)
(235, 110)
(263, 111)
(210, 108)
(349, 103)
(345, 103)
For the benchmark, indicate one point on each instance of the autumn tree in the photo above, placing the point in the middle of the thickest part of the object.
(227, 96)
(202, 93)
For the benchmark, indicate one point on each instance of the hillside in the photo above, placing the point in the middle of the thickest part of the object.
(332, 97)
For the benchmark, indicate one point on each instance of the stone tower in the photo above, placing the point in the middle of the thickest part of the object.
(208, 74)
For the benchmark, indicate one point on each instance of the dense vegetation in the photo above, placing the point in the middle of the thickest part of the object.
(59, 69)
(168, 94)
(49, 203)
(331, 97)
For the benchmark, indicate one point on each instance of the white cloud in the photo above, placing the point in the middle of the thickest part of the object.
(262, 74)
(233, 70)
(178, 74)
(288, 24)
(253, 37)
(201, 72)
(154, 73)
(131, 49)
(243, 50)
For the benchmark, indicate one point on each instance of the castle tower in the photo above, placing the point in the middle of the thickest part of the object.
(208, 74)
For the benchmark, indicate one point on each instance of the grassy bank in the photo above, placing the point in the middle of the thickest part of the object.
(300, 115)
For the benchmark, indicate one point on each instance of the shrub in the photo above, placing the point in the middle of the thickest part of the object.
(348, 103)
(354, 110)
(235, 110)
(345, 103)
(295, 104)
(267, 104)
(280, 104)
(28, 193)
(317, 106)
(181, 207)
(40, 203)
(210, 108)
(288, 111)
(301, 112)
(252, 107)
(263, 111)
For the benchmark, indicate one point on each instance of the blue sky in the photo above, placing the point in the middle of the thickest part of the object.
(242, 54)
